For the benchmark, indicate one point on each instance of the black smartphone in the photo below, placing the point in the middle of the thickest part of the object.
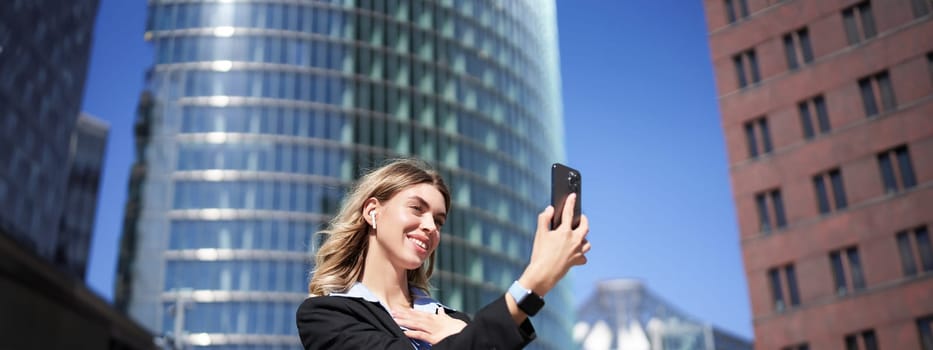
(564, 181)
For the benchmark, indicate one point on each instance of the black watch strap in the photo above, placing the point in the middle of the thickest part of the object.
(529, 302)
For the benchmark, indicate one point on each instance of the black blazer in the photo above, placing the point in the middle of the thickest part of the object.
(336, 322)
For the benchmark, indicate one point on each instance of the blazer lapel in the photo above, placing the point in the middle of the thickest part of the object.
(382, 316)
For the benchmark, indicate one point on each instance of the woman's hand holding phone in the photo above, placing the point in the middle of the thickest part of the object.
(564, 181)
(555, 251)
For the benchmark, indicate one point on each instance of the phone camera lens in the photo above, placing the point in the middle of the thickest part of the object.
(573, 181)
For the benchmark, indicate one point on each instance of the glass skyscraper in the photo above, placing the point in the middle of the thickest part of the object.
(258, 115)
(44, 50)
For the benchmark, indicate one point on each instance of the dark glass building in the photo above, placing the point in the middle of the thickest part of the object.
(44, 50)
(827, 111)
(50, 161)
(259, 114)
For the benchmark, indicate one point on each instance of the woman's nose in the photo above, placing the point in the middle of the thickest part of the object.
(428, 224)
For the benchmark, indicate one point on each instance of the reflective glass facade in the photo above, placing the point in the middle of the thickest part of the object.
(86, 163)
(259, 114)
(44, 51)
(624, 314)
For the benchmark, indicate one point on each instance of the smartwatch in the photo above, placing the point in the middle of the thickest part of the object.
(529, 302)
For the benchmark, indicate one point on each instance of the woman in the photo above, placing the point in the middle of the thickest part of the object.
(369, 289)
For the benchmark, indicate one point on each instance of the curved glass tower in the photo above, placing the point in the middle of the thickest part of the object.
(259, 113)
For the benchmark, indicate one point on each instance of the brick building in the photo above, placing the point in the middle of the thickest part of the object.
(827, 110)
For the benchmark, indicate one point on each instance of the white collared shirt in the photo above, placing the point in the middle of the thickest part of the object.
(422, 302)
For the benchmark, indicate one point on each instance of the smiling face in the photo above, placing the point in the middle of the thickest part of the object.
(408, 225)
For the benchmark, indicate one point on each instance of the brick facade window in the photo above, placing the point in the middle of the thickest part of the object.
(758, 137)
(770, 210)
(777, 287)
(868, 340)
(814, 108)
(736, 9)
(874, 86)
(925, 330)
(930, 64)
(859, 22)
(921, 7)
(915, 250)
(900, 177)
(746, 68)
(830, 191)
(801, 346)
(846, 260)
(797, 49)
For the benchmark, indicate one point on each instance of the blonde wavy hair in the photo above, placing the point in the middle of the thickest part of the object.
(339, 261)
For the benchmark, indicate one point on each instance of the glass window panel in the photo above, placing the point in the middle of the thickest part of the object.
(839, 192)
(763, 217)
(888, 101)
(822, 199)
(774, 278)
(743, 8)
(868, 20)
(181, 16)
(855, 268)
(806, 50)
(925, 330)
(753, 66)
(739, 70)
(920, 7)
(848, 21)
(791, 276)
(778, 202)
(887, 172)
(822, 115)
(751, 140)
(765, 135)
(906, 253)
(871, 342)
(790, 53)
(925, 248)
(839, 278)
(805, 121)
(851, 342)
(906, 168)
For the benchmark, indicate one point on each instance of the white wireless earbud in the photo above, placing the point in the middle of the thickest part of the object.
(372, 214)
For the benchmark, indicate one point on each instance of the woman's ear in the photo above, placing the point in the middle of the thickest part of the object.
(370, 207)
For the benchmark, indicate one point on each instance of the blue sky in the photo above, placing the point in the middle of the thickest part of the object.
(641, 122)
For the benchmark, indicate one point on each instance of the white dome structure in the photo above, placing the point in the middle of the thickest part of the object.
(624, 315)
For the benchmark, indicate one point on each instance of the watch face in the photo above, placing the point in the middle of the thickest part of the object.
(531, 304)
(527, 300)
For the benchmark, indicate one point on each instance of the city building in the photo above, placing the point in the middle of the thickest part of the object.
(50, 161)
(257, 116)
(85, 164)
(826, 110)
(624, 314)
(44, 50)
